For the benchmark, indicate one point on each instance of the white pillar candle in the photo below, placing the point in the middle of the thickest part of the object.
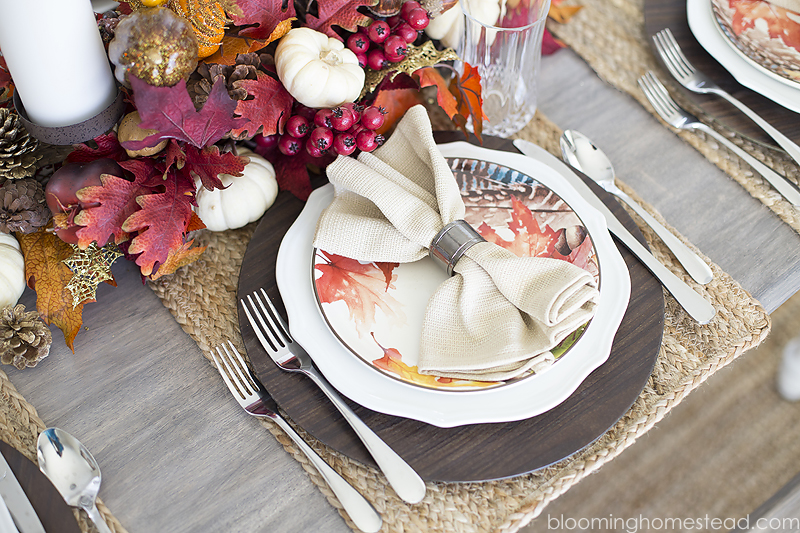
(56, 58)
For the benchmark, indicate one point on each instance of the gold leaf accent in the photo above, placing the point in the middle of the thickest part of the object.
(90, 268)
(417, 57)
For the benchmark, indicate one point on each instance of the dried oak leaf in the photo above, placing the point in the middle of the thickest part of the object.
(116, 201)
(264, 15)
(105, 146)
(529, 239)
(268, 109)
(171, 111)
(362, 286)
(467, 91)
(342, 13)
(161, 222)
(48, 276)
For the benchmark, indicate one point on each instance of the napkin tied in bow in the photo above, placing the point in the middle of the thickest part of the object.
(499, 315)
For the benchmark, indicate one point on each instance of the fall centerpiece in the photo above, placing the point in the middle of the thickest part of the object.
(226, 103)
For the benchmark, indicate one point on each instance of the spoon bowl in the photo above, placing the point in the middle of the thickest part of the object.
(72, 469)
(581, 153)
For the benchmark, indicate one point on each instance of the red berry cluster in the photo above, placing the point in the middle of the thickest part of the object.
(343, 129)
(386, 41)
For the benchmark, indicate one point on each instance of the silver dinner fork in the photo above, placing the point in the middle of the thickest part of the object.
(688, 76)
(255, 399)
(679, 118)
(273, 333)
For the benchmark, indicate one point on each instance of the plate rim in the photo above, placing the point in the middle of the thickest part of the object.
(451, 411)
(700, 17)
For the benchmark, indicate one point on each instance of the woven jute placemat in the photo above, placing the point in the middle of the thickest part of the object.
(20, 426)
(202, 297)
(610, 37)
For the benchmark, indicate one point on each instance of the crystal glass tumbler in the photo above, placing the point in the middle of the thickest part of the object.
(503, 39)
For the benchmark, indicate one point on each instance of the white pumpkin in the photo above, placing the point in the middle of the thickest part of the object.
(12, 270)
(244, 199)
(317, 70)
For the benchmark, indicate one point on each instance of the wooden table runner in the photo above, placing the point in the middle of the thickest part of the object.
(611, 38)
(202, 297)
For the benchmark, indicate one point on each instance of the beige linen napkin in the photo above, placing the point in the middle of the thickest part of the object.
(499, 315)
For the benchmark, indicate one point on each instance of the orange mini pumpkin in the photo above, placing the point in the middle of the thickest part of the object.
(207, 17)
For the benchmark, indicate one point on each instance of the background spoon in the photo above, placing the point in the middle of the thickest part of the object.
(72, 470)
(581, 153)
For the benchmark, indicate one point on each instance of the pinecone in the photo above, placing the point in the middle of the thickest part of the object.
(24, 338)
(22, 206)
(202, 80)
(18, 155)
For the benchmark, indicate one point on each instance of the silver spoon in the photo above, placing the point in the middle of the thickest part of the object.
(72, 470)
(581, 153)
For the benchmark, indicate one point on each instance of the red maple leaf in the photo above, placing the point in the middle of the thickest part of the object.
(116, 199)
(161, 222)
(206, 164)
(363, 287)
(264, 14)
(147, 171)
(170, 110)
(268, 109)
(107, 146)
(779, 24)
(529, 239)
(342, 13)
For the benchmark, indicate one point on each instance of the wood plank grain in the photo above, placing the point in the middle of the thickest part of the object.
(660, 14)
(472, 452)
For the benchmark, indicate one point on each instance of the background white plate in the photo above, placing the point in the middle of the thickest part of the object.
(523, 399)
(707, 32)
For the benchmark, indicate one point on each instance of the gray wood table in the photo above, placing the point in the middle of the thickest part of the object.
(176, 451)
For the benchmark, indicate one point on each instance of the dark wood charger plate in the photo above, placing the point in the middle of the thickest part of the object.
(478, 452)
(660, 14)
(54, 513)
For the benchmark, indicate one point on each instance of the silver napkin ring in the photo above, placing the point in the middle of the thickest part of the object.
(452, 242)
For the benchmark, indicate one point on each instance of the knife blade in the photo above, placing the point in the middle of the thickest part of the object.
(698, 307)
(6, 522)
(17, 501)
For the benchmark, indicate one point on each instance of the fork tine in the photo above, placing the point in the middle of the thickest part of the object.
(226, 373)
(671, 53)
(650, 90)
(276, 318)
(265, 334)
(237, 370)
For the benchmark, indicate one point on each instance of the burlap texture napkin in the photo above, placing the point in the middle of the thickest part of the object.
(499, 315)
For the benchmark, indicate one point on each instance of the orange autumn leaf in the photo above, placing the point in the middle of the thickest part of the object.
(362, 286)
(561, 13)
(392, 362)
(429, 77)
(467, 90)
(179, 257)
(396, 102)
(233, 45)
(195, 223)
(529, 239)
(48, 276)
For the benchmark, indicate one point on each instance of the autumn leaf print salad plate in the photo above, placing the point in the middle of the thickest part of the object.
(361, 322)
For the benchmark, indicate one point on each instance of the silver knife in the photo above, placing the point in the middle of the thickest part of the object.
(17, 501)
(698, 307)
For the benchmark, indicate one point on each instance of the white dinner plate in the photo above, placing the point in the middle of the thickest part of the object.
(704, 27)
(515, 400)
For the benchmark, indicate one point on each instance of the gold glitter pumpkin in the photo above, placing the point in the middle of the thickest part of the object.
(208, 21)
(155, 45)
